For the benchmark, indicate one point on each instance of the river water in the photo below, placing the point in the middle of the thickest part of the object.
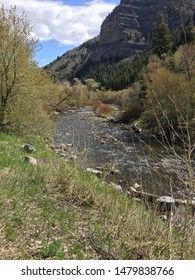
(124, 157)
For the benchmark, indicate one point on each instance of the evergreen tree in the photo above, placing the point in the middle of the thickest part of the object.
(185, 34)
(190, 37)
(162, 39)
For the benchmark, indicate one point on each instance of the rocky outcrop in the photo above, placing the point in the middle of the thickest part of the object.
(129, 28)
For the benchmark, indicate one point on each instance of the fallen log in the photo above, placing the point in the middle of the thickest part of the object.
(163, 203)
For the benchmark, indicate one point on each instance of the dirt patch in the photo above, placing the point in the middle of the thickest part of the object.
(4, 172)
(7, 251)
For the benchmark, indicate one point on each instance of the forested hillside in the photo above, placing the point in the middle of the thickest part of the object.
(116, 57)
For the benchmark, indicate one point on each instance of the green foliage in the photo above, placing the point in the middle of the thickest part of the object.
(120, 75)
(184, 35)
(162, 38)
(132, 102)
(92, 85)
(170, 104)
(10, 233)
(23, 85)
(53, 250)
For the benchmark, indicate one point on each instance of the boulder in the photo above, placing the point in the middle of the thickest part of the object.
(64, 147)
(115, 171)
(136, 128)
(28, 148)
(137, 199)
(56, 113)
(31, 160)
(166, 203)
(163, 218)
(137, 186)
(132, 189)
(73, 157)
(115, 120)
(94, 171)
(116, 187)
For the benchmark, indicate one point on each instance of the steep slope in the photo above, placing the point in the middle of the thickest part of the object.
(69, 64)
(125, 32)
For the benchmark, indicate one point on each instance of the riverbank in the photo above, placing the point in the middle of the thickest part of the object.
(52, 209)
(123, 156)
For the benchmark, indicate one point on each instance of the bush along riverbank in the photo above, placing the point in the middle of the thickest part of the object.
(51, 209)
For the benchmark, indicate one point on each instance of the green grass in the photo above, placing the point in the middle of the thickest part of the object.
(55, 210)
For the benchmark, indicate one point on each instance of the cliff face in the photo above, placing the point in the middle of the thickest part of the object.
(128, 29)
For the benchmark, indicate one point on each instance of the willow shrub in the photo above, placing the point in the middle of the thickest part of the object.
(170, 103)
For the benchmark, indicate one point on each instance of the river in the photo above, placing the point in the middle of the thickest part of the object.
(124, 157)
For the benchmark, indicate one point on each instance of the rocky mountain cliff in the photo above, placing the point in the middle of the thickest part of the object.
(125, 32)
(128, 29)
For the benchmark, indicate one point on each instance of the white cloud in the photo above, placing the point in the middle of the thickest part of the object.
(69, 25)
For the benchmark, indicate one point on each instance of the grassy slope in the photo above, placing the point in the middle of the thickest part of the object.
(54, 210)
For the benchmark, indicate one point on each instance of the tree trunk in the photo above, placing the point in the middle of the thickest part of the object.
(2, 116)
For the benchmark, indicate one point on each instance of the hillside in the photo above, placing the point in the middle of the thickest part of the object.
(126, 32)
(68, 65)
(54, 210)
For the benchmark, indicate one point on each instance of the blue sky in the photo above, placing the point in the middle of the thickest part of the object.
(61, 25)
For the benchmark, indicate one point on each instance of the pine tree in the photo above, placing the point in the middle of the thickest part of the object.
(162, 39)
(190, 36)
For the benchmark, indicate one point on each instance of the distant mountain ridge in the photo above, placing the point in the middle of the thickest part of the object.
(125, 32)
